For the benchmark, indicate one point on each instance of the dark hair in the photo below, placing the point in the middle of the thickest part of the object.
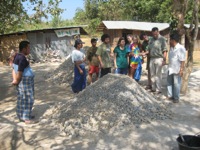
(75, 45)
(154, 29)
(93, 40)
(142, 35)
(77, 42)
(175, 37)
(23, 44)
(104, 36)
(120, 39)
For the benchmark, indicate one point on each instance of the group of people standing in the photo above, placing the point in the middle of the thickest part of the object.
(155, 48)
(128, 59)
(99, 59)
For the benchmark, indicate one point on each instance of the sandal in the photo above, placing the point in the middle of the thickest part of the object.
(29, 122)
(31, 117)
(148, 87)
(153, 91)
(20, 120)
(170, 98)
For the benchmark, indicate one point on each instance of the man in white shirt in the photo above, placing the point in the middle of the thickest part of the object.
(177, 56)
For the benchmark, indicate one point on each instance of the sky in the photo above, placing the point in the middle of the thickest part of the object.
(70, 7)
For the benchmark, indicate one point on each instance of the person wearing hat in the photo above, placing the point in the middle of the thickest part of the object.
(78, 58)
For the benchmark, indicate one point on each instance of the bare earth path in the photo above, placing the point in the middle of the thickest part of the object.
(159, 135)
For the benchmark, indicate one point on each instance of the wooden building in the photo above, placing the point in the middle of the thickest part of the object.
(117, 29)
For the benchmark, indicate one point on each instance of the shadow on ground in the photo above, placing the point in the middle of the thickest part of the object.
(157, 135)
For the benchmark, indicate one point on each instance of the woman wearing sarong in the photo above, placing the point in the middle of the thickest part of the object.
(78, 58)
(24, 83)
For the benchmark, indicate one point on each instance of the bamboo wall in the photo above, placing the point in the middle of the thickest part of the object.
(8, 43)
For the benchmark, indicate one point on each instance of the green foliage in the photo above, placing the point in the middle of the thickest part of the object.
(91, 9)
(111, 10)
(14, 16)
(56, 21)
(94, 23)
(80, 16)
(11, 13)
(173, 24)
(165, 12)
(138, 10)
(188, 16)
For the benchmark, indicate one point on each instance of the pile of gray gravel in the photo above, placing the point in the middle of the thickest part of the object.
(63, 75)
(112, 101)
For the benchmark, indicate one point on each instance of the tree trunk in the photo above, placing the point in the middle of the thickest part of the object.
(188, 69)
(192, 36)
(180, 8)
(179, 11)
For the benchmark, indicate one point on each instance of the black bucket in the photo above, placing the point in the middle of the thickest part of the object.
(188, 142)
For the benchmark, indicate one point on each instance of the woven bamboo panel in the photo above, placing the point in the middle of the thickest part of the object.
(9, 43)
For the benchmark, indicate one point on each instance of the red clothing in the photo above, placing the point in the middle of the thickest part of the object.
(94, 69)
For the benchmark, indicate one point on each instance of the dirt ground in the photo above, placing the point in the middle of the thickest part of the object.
(158, 135)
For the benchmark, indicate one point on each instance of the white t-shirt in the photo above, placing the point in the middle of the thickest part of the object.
(77, 55)
(176, 55)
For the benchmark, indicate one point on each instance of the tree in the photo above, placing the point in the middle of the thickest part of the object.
(11, 13)
(138, 10)
(80, 16)
(14, 15)
(164, 13)
(180, 7)
(111, 10)
(91, 9)
(55, 11)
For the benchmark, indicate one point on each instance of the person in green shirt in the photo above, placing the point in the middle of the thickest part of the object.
(103, 54)
(121, 58)
(93, 61)
(157, 50)
(144, 48)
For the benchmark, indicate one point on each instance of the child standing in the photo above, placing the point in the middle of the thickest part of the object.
(93, 61)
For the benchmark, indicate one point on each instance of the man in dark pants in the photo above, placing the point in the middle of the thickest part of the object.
(145, 44)
(103, 54)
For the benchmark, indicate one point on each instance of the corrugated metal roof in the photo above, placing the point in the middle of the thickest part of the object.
(134, 25)
(82, 31)
(188, 25)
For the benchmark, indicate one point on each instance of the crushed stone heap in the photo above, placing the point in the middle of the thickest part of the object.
(52, 56)
(112, 101)
(63, 74)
